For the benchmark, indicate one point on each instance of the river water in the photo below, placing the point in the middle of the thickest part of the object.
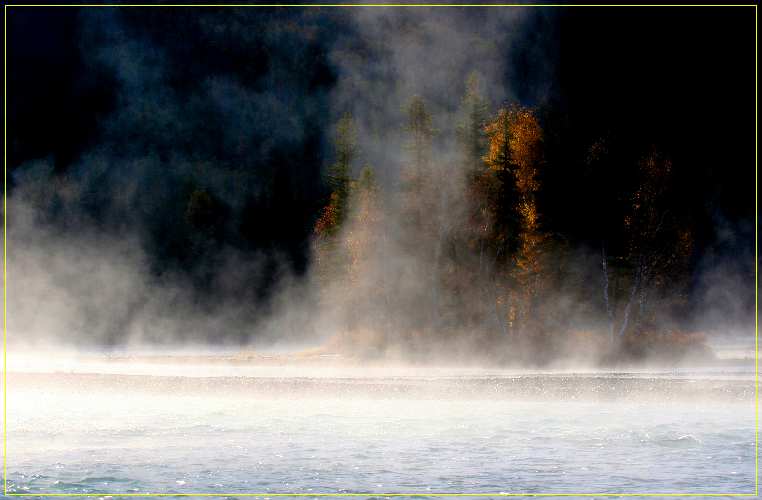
(233, 430)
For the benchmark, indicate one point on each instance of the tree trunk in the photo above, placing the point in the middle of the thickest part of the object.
(609, 311)
(633, 293)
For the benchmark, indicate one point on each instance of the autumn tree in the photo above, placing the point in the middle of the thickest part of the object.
(329, 254)
(487, 264)
(513, 157)
(657, 244)
(338, 175)
(525, 138)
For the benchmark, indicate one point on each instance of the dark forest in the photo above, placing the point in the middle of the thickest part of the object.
(512, 184)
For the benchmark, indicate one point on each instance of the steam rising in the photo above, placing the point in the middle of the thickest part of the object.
(279, 265)
(85, 272)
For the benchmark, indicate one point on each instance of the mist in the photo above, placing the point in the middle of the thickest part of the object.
(187, 215)
(380, 251)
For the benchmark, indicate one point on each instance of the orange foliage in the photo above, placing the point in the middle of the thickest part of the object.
(514, 148)
(498, 155)
(328, 221)
(514, 138)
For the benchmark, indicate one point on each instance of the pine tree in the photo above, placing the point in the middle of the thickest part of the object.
(330, 256)
(474, 114)
(345, 151)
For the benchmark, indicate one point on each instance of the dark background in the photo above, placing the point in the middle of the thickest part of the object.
(678, 79)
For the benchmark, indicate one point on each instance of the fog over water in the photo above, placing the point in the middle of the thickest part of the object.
(190, 213)
(379, 251)
(175, 426)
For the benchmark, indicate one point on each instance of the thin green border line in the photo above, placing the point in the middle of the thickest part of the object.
(410, 494)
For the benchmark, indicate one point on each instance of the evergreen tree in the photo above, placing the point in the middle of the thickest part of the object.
(473, 113)
(330, 256)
